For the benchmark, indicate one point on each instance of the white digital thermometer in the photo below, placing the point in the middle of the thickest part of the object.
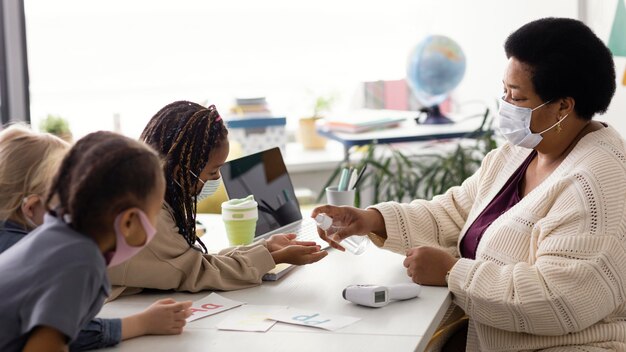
(378, 296)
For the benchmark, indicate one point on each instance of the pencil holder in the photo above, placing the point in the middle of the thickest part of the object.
(335, 197)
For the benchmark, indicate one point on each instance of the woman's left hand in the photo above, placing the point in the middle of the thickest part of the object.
(280, 241)
(428, 265)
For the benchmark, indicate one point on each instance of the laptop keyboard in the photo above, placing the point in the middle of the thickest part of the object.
(306, 230)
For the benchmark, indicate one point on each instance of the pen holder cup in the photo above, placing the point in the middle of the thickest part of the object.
(335, 197)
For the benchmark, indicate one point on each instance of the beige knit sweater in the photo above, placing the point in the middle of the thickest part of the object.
(549, 272)
(169, 263)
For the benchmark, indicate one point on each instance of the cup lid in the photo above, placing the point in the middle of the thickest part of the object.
(240, 203)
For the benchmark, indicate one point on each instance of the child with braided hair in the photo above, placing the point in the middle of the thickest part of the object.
(192, 141)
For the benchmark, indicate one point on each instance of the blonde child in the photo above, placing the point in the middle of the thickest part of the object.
(62, 259)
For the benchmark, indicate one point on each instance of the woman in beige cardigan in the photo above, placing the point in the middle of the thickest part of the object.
(533, 245)
(193, 142)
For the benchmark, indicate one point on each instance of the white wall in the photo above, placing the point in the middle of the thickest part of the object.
(91, 60)
(481, 27)
(600, 15)
(487, 23)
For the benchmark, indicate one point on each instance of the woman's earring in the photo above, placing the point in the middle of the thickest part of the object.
(558, 126)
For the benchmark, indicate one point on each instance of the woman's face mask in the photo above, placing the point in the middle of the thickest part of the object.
(514, 124)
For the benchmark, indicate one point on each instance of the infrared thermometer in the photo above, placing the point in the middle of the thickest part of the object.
(379, 296)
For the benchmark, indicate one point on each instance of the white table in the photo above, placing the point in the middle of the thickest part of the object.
(399, 326)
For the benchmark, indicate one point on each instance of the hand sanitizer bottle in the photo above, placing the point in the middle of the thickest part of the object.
(355, 244)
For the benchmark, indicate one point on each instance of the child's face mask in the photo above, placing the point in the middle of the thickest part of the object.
(124, 251)
(208, 188)
(32, 223)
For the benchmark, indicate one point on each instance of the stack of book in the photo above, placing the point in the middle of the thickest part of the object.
(363, 121)
(252, 127)
(390, 94)
(251, 107)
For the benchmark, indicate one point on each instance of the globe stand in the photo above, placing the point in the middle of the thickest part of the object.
(434, 116)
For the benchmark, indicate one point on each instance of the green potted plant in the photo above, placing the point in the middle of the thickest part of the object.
(57, 126)
(395, 175)
(307, 134)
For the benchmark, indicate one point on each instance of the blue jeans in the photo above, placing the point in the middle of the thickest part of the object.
(98, 333)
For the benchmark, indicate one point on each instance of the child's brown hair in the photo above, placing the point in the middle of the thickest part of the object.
(184, 133)
(103, 174)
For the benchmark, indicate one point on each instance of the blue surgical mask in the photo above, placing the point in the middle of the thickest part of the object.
(208, 188)
(514, 124)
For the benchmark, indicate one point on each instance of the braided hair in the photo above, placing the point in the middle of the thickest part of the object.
(185, 134)
(103, 174)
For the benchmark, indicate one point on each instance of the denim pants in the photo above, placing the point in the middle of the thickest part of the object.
(98, 333)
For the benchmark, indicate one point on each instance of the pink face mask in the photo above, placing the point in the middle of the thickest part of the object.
(124, 251)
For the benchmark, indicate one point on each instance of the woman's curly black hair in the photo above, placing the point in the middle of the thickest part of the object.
(566, 59)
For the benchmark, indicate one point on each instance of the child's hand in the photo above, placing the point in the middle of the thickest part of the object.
(298, 254)
(281, 241)
(165, 317)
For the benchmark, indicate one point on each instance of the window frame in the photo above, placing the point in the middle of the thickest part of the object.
(14, 78)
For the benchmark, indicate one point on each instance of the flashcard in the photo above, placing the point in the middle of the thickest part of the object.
(314, 319)
(250, 318)
(211, 304)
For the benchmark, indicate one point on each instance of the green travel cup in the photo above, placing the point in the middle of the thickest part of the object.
(240, 216)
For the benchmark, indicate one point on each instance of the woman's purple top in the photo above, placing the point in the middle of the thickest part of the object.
(505, 200)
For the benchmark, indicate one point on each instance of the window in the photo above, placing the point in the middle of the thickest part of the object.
(4, 114)
(14, 99)
(93, 60)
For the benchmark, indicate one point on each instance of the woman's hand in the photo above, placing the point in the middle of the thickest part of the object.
(298, 254)
(428, 265)
(354, 221)
(280, 241)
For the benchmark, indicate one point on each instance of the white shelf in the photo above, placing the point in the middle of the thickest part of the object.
(300, 160)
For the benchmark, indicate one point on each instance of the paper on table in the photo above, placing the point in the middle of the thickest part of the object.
(211, 304)
(250, 318)
(315, 319)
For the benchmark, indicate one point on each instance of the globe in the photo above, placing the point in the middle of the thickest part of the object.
(436, 66)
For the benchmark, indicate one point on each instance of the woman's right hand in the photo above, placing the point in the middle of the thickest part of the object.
(355, 221)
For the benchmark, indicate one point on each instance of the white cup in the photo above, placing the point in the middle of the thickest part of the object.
(335, 197)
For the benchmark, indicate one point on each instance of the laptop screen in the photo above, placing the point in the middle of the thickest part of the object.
(265, 176)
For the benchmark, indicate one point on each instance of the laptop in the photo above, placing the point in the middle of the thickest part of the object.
(265, 175)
